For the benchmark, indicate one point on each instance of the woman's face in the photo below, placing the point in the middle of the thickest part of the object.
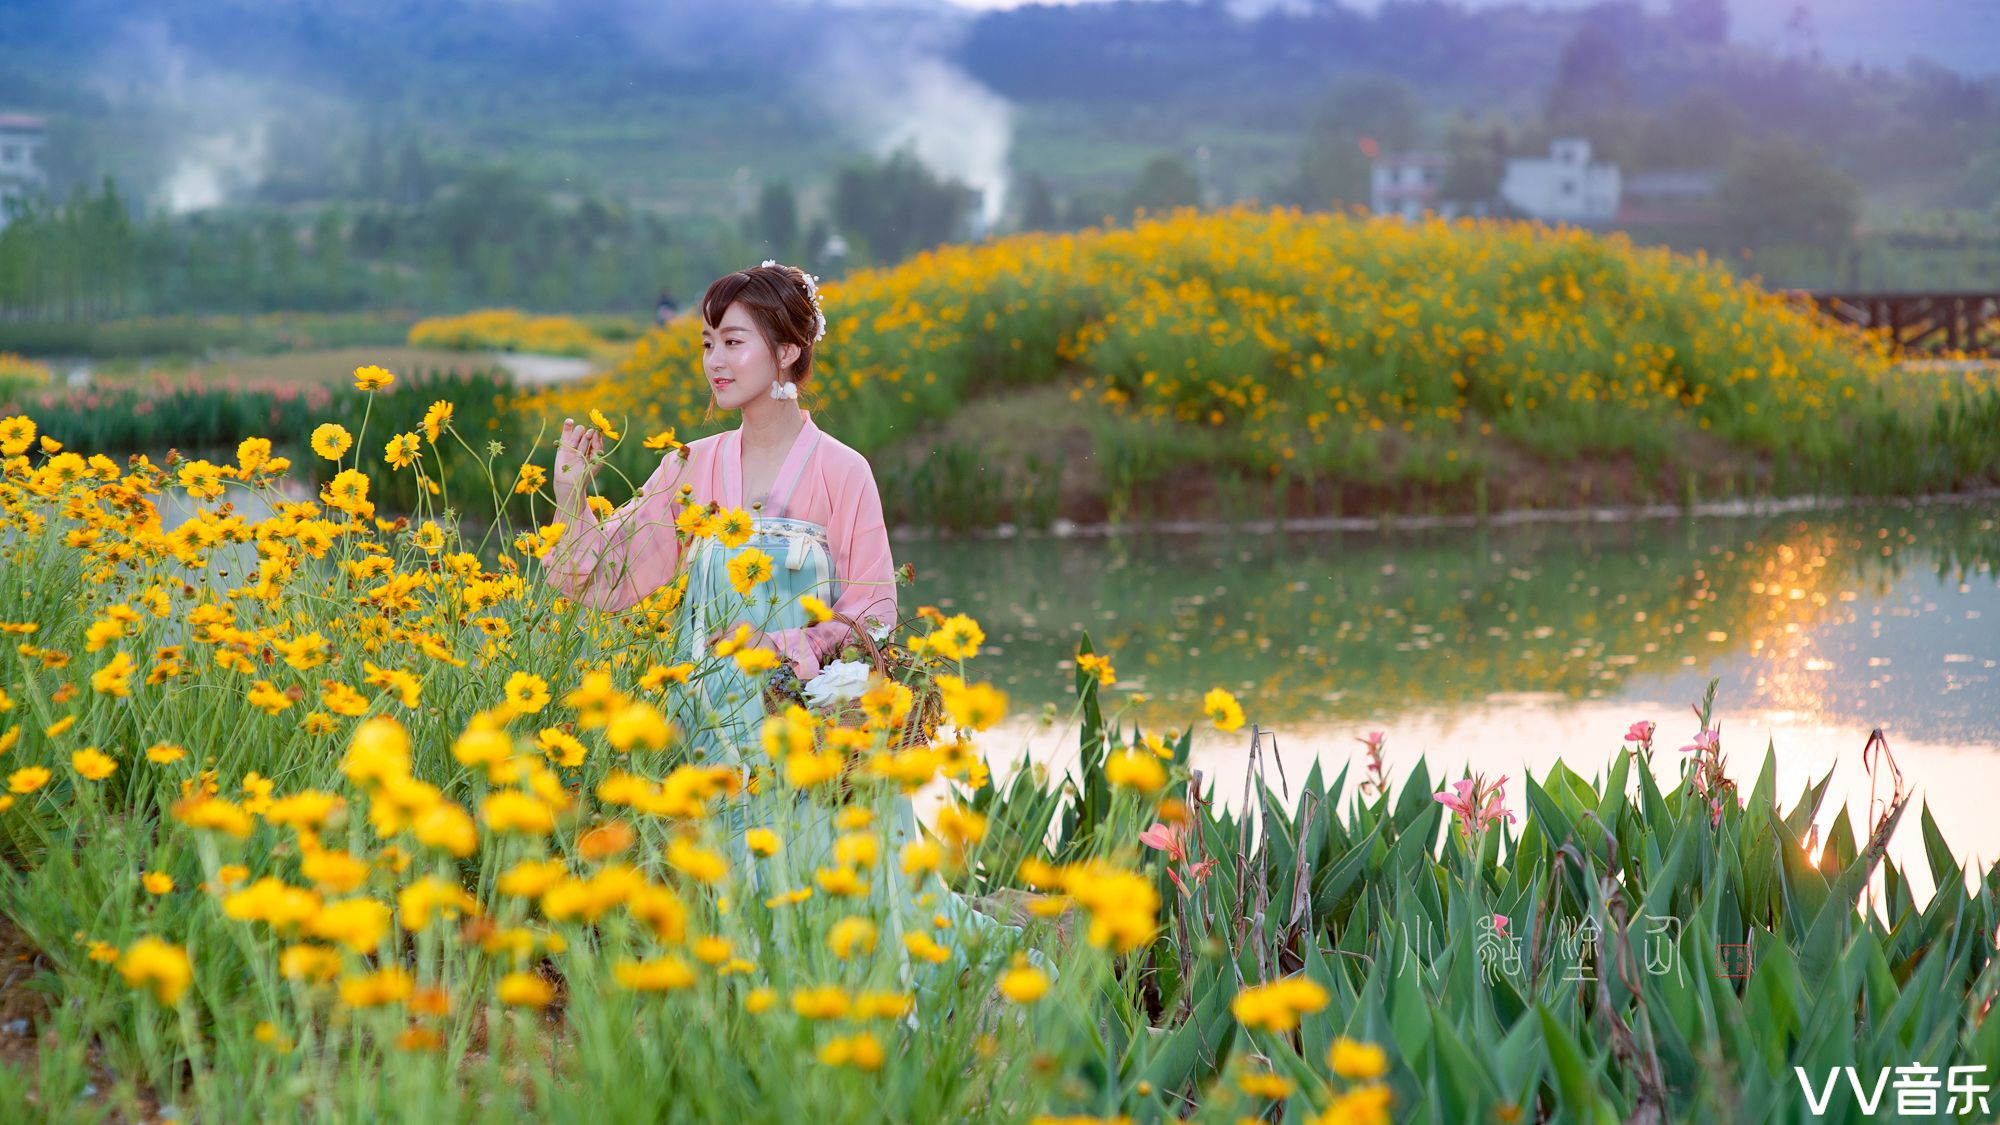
(739, 364)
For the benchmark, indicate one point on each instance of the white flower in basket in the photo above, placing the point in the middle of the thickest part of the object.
(838, 683)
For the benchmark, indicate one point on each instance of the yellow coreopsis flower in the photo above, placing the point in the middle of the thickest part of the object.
(348, 492)
(695, 522)
(924, 948)
(525, 990)
(1222, 708)
(696, 862)
(93, 764)
(862, 1051)
(561, 747)
(749, 569)
(1133, 770)
(202, 480)
(162, 966)
(1362, 1105)
(662, 440)
(815, 609)
(1092, 664)
(541, 541)
(762, 841)
(973, 706)
(1278, 1005)
(157, 882)
(734, 527)
(660, 675)
(851, 935)
(17, 433)
(27, 779)
(252, 454)
(373, 990)
(401, 450)
(598, 419)
(527, 693)
(887, 704)
(371, 378)
(266, 697)
(661, 974)
(1351, 1058)
(115, 678)
(436, 419)
(827, 1002)
(1023, 983)
(638, 725)
(511, 810)
(958, 638)
(331, 440)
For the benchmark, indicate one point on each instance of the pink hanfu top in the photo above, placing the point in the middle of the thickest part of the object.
(613, 563)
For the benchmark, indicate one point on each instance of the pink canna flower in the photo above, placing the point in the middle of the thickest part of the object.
(1459, 800)
(1500, 924)
(1641, 732)
(1161, 838)
(1493, 809)
(1704, 743)
(1164, 839)
(1477, 804)
(1376, 781)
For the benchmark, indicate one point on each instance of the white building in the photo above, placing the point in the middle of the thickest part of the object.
(21, 171)
(1406, 183)
(1564, 186)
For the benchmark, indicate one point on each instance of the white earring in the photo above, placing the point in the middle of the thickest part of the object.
(782, 390)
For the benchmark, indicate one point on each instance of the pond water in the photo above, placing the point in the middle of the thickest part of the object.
(1505, 649)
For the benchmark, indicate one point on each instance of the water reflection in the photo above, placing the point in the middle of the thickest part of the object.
(1879, 617)
(1508, 649)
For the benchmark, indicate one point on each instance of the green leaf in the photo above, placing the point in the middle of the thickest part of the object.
(1576, 1082)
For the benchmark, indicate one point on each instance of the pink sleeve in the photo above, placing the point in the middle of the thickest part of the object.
(860, 543)
(614, 563)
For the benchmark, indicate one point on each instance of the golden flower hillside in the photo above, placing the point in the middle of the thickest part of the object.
(1430, 361)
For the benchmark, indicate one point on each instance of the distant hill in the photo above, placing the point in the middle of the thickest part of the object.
(686, 103)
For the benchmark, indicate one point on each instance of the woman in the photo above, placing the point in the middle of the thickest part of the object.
(815, 508)
(818, 516)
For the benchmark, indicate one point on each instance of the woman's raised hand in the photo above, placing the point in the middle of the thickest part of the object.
(579, 453)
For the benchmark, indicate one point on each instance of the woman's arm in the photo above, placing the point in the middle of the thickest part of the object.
(613, 563)
(860, 548)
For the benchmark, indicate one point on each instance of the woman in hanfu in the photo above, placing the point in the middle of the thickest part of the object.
(815, 512)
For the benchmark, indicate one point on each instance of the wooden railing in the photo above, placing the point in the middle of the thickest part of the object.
(1967, 322)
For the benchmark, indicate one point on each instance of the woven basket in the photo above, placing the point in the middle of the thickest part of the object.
(926, 704)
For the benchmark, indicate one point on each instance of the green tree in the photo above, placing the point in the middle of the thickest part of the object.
(1779, 192)
(1370, 111)
(1700, 130)
(1476, 159)
(896, 207)
(1590, 78)
(1038, 203)
(1378, 106)
(775, 225)
(1164, 183)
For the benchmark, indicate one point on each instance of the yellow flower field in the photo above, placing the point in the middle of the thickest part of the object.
(1326, 346)
(330, 815)
(504, 330)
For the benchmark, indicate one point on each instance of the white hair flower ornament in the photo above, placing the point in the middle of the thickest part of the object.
(812, 291)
